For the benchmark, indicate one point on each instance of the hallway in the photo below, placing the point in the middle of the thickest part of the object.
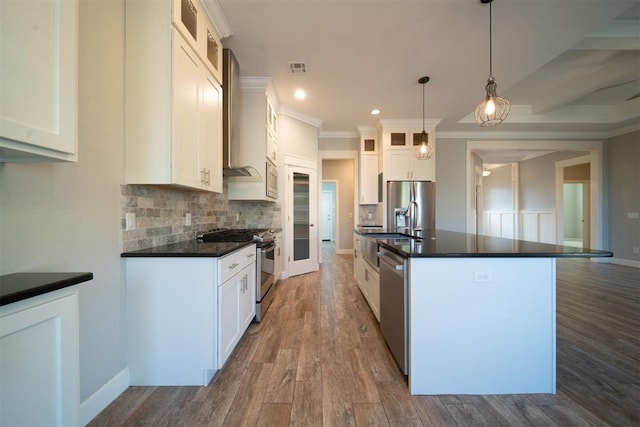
(318, 358)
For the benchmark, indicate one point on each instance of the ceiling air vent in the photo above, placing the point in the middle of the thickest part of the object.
(298, 67)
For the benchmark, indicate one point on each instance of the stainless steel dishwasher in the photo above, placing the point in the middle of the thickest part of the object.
(394, 305)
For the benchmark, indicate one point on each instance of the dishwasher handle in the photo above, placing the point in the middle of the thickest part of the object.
(395, 262)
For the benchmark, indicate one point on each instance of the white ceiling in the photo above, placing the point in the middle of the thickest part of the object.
(567, 66)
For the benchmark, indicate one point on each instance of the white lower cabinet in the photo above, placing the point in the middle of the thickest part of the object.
(178, 315)
(372, 287)
(237, 302)
(366, 277)
(39, 366)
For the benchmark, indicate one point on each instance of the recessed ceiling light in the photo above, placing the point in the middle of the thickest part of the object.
(300, 94)
(375, 112)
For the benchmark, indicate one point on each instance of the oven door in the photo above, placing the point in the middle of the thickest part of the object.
(267, 255)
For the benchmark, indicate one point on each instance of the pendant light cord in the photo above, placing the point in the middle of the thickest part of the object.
(490, 41)
(423, 107)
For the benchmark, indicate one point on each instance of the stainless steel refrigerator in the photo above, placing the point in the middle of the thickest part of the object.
(411, 206)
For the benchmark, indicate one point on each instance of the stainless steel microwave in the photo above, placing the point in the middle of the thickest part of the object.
(272, 180)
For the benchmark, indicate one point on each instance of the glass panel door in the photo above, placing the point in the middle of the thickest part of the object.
(302, 215)
(301, 222)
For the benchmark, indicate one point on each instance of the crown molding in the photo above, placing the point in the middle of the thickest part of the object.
(213, 9)
(313, 121)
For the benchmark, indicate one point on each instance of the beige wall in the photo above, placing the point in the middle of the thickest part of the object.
(342, 171)
(578, 172)
(622, 193)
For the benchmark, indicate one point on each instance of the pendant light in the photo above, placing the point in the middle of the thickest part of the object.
(425, 149)
(493, 109)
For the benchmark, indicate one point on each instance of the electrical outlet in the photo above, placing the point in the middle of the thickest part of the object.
(130, 221)
(633, 215)
(187, 219)
(481, 276)
(237, 216)
(636, 251)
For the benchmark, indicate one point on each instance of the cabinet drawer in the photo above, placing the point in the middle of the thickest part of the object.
(248, 256)
(236, 261)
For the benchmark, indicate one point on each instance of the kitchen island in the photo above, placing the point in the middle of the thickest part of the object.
(480, 312)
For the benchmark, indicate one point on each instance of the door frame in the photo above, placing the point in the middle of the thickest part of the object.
(594, 195)
(343, 155)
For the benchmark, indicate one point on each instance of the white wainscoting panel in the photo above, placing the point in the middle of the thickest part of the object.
(499, 223)
(538, 226)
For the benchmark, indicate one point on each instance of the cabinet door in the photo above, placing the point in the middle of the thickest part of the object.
(277, 258)
(423, 169)
(368, 145)
(248, 298)
(187, 18)
(369, 179)
(398, 164)
(212, 49)
(229, 317)
(186, 76)
(272, 147)
(210, 138)
(38, 80)
(374, 293)
(39, 367)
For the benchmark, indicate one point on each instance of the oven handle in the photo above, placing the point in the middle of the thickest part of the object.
(269, 247)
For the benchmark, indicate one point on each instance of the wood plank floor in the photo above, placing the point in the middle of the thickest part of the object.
(318, 358)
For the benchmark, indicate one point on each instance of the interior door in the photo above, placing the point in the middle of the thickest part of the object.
(302, 220)
(327, 215)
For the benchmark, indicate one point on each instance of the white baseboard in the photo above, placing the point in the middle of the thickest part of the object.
(622, 261)
(104, 396)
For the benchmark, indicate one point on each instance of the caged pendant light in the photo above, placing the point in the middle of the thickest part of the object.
(493, 109)
(425, 149)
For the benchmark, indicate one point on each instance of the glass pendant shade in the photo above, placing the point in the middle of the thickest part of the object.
(493, 109)
(425, 149)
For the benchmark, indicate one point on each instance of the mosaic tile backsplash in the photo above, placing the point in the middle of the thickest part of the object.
(161, 214)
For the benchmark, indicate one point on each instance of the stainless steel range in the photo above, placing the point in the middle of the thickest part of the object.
(265, 249)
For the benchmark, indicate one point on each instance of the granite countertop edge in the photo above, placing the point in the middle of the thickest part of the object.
(21, 286)
(453, 244)
(188, 249)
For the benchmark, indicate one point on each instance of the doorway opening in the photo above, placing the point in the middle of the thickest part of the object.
(329, 209)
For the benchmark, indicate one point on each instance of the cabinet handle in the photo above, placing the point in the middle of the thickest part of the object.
(203, 177)
(207, 175)
(234, 265)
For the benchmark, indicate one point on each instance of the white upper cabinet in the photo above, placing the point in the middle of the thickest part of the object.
(368, 179)
(400, 161)
(258, 146)
(38, 80)
(173, 104)
(191, 20)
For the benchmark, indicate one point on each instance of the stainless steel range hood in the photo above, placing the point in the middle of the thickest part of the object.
(230, 117)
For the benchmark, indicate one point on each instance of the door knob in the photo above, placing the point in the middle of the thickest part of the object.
(310, 225)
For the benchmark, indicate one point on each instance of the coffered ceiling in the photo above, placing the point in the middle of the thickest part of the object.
(569, 67)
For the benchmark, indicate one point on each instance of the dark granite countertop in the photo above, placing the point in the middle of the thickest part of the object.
(189, 248)
(451, 244)
(20, 286)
